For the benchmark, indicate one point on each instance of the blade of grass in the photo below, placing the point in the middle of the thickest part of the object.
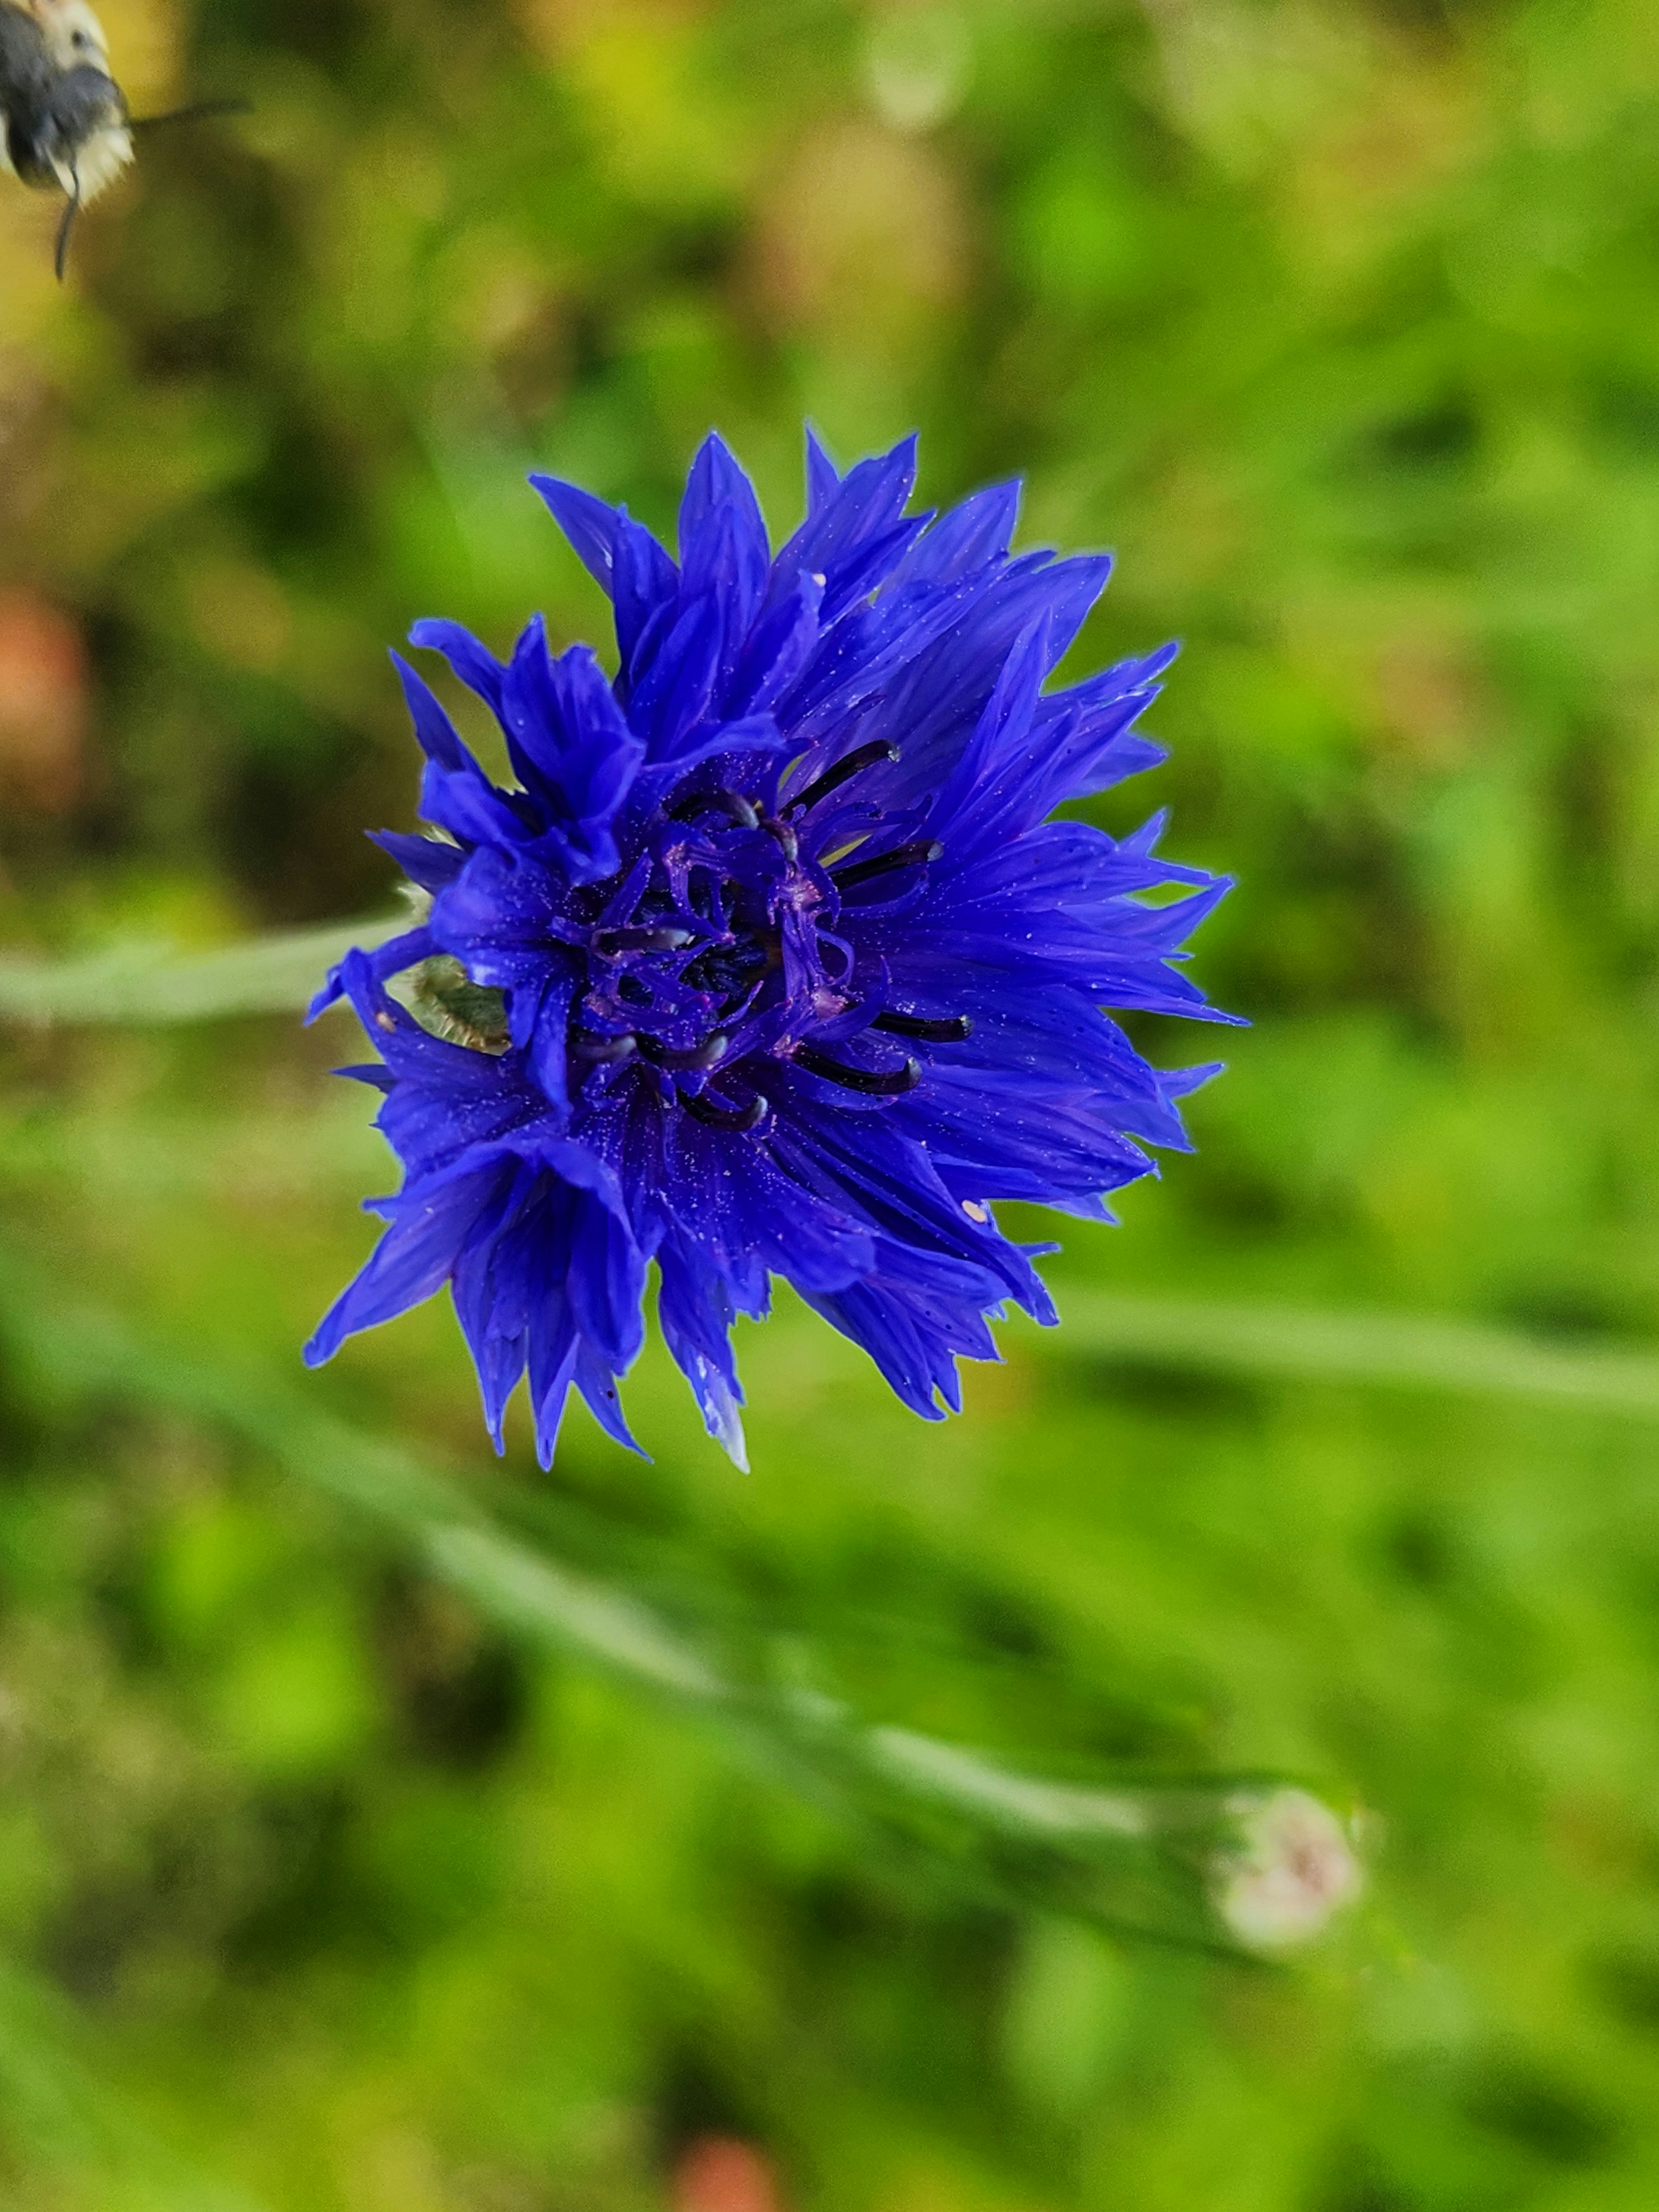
(55, 2107)
(148, 982)
(1464, 1358)
(995, 1827)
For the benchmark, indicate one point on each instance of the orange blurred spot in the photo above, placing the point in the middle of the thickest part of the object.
(559, 26)
(1431, 700)
(717, 2173)
(44, 698)
(864, 239)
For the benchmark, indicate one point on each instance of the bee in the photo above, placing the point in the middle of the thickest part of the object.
(63, 120)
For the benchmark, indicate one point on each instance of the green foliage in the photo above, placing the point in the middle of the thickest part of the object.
(384, 1830)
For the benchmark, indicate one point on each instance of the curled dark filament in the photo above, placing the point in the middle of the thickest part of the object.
(604, 1048)
(878, 1082)
(843, 771)
(705, 1055)
(952, 1031)
(714, 1115)
(914, 855)
(741, 809)
(608, 943)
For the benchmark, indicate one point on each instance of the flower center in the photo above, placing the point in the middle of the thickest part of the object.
(720, 951)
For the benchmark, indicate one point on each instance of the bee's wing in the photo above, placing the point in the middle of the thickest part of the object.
(20, 61)
(12, 32)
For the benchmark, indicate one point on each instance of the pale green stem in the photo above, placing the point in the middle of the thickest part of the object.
(69, 2120)
(1466, 1358)
(542, 1600)
(140, 982)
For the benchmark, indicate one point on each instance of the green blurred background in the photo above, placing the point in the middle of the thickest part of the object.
(320, 1888)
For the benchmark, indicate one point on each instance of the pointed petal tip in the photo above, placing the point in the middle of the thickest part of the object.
(331, 994)
(715, 446)
(591, 527)
(723, 1421)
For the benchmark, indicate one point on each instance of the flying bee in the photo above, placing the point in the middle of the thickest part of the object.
(63, 120)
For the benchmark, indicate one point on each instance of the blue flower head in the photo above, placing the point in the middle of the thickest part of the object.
(769, 961)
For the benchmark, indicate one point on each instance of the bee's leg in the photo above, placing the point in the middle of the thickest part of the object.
(61, 258)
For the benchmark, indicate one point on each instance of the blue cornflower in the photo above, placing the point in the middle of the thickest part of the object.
(769, 962)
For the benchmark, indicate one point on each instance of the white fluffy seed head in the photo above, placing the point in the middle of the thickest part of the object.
(1294, 1868)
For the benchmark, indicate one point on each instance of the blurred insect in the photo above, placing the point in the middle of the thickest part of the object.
(64, 119)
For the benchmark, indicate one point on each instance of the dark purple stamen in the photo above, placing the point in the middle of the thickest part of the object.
(608, 943)
(741, 809)
(880, 1081)
(714, 1115)
(603, 1048)
(952, 1031)
(705, 1055)
(785, 836)
(845, 769)
(914, 855)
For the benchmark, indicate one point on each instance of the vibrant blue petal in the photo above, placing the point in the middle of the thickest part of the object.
(777, 650)
(980, 805)
(473, 663)
(916, 1314)
(696, 1308)
(864, 510)
(572, 748)
(415, 1257)
(501, 917)
(741, 1205)
(963, 543)
(823, 477)
(619, 553)
(588, 523)
(672, 697)
(931, 711)
(438, 738)
(724, 549)
(388, 959)
(429, 862)
(647, 592)
(489, 1302)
